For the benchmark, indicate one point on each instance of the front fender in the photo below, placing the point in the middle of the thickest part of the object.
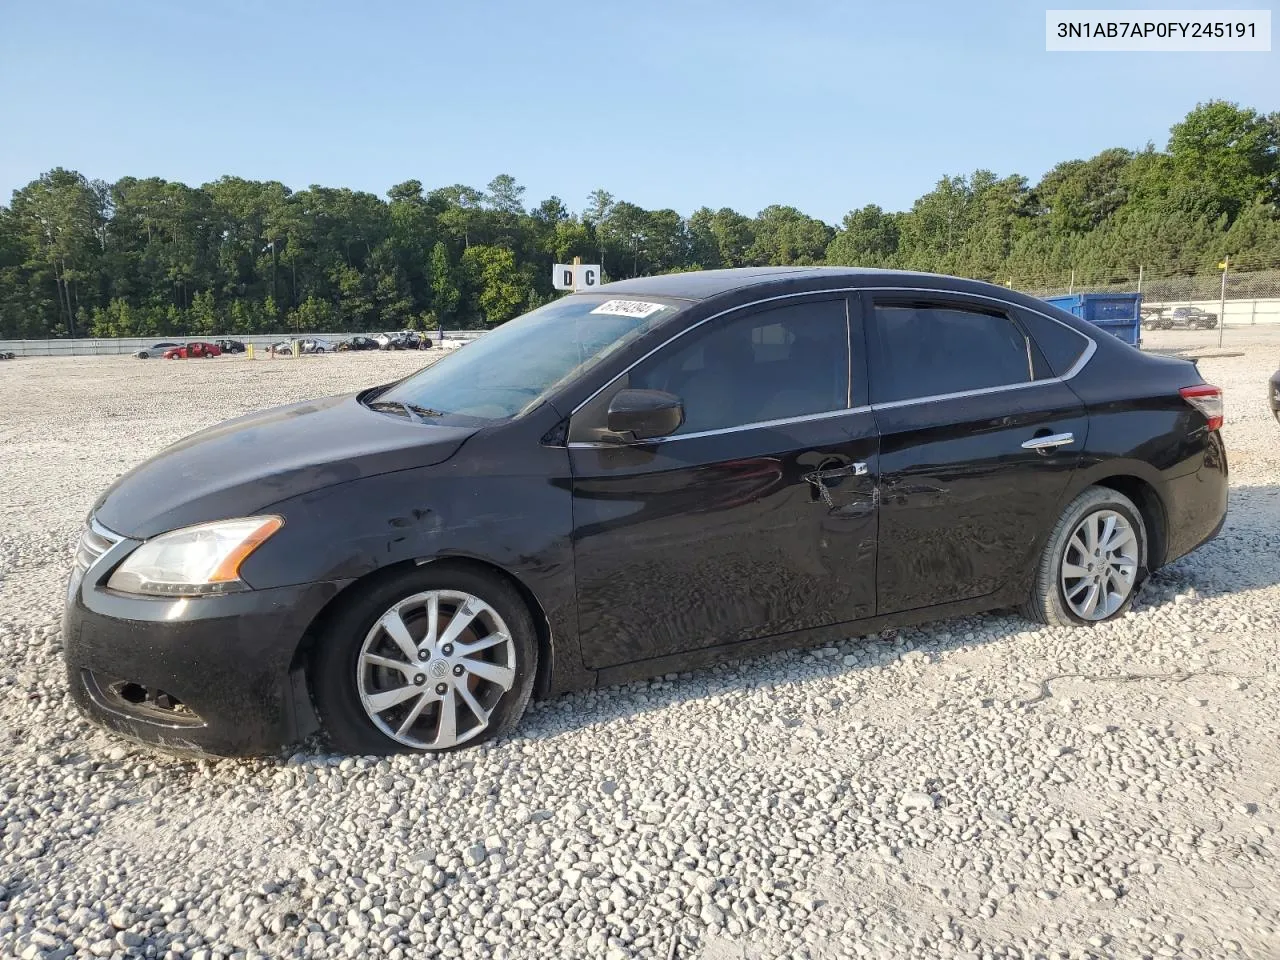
(511, 513)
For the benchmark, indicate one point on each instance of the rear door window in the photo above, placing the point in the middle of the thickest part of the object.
(922, 349)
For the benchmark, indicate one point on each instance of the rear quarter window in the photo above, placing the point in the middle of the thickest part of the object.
(1061, 345)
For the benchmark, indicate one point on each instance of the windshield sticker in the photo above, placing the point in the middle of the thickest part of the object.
(628, 308)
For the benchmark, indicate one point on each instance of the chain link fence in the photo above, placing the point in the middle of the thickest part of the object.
(1193, 306)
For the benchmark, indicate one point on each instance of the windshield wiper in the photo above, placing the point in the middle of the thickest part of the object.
(411, 410)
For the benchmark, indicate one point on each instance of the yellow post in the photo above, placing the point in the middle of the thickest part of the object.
(297, 349)
(249, 352)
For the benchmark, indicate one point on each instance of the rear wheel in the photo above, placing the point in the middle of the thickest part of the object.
(1093, 563)
(433, 659)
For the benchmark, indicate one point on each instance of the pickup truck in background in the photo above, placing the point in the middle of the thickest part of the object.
(1180, 318)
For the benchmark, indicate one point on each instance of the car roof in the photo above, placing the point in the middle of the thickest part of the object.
(705, 284)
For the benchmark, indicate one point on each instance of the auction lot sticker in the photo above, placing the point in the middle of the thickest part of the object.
(628, 308)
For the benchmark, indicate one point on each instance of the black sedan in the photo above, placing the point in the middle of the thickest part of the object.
(654, 475)
(230, 346)
(358, 343)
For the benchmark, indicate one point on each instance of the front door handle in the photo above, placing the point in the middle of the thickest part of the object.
(1049, 442)
(819, 477)
(848, 470)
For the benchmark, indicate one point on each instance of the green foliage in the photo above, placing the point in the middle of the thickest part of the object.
(313, 314)
(444, 285)
(203, 318)
(1229, 151)
(492, 278)
(150, 257)
(867, 237)
(784, 236)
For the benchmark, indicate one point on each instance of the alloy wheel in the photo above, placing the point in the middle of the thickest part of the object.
(1099, 565)
(433, 668)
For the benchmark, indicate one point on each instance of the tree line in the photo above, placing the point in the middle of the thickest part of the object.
(152, 257)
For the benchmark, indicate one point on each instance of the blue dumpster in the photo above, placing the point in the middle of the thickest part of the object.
(1119, 314)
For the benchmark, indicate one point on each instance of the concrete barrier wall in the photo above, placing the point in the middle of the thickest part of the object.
(1238, 313)
(105, 346)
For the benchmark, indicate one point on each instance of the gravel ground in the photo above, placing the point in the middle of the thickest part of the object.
(971, 788)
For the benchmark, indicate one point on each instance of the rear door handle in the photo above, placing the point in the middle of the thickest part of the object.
(1049, 442)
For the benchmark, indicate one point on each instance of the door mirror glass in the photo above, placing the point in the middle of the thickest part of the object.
(645, 414)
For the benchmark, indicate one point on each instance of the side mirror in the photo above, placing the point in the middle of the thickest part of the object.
(645, 414)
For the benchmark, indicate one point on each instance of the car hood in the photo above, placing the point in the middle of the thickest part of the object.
(243, 466)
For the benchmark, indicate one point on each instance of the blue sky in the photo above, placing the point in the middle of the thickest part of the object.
(823, 105)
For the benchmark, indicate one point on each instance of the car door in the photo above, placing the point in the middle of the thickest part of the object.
(978, 439)
(757, 516)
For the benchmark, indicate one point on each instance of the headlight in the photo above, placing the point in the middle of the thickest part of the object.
(194, 561)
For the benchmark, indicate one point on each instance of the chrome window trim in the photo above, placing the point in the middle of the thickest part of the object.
(1083, 360)
(755, 425)
(960, 394)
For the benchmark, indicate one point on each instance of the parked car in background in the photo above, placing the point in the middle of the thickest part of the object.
(155, 350)
(1273, 394)
(1181, 318)
(305, 345)
(230, 346)
(8, 355)
(192, 350)
(656, 474)
(404, 340)
(358, 343)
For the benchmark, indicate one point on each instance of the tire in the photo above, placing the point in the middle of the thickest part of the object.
(342, 681)
(1063, 601)
(319, 349)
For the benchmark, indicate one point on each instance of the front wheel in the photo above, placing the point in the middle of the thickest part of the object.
(1093, 563)
(432, 659)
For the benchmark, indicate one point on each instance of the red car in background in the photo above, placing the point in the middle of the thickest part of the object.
(197, 349)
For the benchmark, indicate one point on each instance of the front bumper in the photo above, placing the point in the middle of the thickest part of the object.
(208, 676)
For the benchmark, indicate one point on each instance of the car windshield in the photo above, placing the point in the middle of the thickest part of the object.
(511, 369)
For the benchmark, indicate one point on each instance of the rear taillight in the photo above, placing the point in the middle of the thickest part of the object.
(1208, 400)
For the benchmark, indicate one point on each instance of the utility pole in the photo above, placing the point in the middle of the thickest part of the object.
(1072, 287)
(1139, 278)
(1222, 299)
